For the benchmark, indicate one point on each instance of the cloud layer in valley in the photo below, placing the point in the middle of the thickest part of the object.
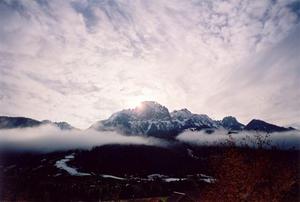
(81, 60)
(282, 140)
(48, 138)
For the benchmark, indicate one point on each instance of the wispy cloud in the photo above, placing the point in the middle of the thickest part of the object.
(80, 61)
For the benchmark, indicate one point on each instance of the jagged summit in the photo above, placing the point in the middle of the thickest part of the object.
(151, 110)
(181, 114)
(146, 119)
(147, 110)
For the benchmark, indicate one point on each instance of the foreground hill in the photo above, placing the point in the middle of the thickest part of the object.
(131, 172)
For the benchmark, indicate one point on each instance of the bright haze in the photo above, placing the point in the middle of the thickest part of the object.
(79, 60)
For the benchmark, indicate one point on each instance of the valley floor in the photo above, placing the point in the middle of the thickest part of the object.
(136, 173)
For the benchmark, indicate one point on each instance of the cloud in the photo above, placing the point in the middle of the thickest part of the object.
(266, 83)
(80, 61)
(283, 140)
(48, 138)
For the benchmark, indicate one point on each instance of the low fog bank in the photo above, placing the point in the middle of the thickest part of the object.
(48, 138)
(282, 140)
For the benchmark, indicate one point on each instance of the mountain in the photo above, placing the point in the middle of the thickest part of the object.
(230, 123)
(62, 125)
(17, 122)
(153, 119)
(185, 119)
(23, 122)
(259, 125)
(150, 118)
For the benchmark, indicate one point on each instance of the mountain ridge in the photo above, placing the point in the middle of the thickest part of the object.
(168, 124)
(153, 119)
(8, 122)
(259, 125)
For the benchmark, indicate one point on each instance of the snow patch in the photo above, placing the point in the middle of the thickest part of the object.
(173, 179)
(113, 177)
(62, 164)
(207, 179)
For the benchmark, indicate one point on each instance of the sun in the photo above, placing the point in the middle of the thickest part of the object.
(136, 101)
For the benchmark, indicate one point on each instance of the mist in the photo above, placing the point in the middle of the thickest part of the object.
(48, 138)
(282, 140)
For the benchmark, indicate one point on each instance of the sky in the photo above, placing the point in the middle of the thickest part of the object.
(81, 60)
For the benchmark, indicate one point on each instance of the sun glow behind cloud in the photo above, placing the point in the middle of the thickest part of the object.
(136, 101)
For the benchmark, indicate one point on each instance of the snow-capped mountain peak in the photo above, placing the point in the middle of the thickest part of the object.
(151, 118)
(181, 114)
(151, 110)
